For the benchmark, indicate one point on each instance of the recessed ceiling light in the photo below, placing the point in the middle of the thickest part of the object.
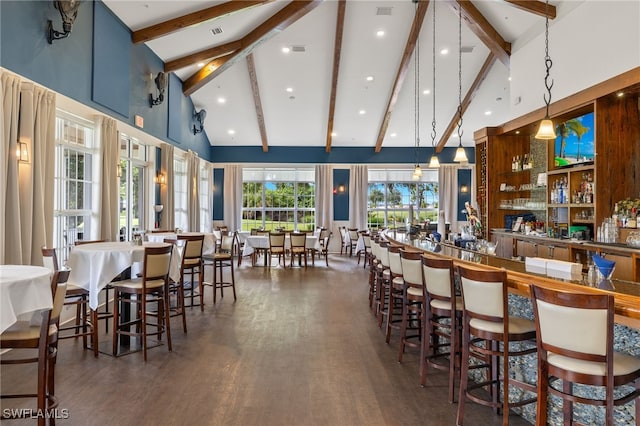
(517, 132)
(289, 89)
(231, 132)
(620, 94)
(221, 100)
(200, 64)
(286, 49)
(370, 78)
(487, 113)
(426, 91)
(393, 135)
(380, 33)
(362, 112)
(444, 51)
(509, 78)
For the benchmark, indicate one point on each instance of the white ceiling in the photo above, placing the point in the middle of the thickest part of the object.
(299, 118)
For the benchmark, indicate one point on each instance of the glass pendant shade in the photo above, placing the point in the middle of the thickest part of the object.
(417, 171)
(546, 130)
(461, 155)
(434, 163)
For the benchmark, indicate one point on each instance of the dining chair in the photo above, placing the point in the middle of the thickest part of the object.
(366, 251)
(43, 340)
(488, 332)
(192, 266)
(151, 291)
(344, 245)
(575, 345)
(276, 247)
(298, 248)
(261, 251)
(86, 320)
(353, 240)
(324, 248)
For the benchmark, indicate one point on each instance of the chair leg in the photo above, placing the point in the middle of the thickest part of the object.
(464, 374)
(94, 331)
(116, 315)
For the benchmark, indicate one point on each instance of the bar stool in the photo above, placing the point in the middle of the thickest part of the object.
(412, 301)
(382, 281)
(575, 345)
(484, 296)
(442, 320)
(394, 292)
(223, 258)
(193, 266)
(373, 271)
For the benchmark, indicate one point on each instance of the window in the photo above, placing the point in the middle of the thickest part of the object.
(133, 162)
(204, 198)
(393, 196)
(278, 198)
(75, 182)
(181, 218)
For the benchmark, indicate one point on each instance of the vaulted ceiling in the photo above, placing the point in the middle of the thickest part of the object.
(349, 76)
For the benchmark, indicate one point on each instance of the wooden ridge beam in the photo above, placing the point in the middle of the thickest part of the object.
(539, 8)
(167, 27)
(337, 49)
(257, 102)
(483, 30)
(409, 48)
(482, 74)
(272, 26)
(203, 55)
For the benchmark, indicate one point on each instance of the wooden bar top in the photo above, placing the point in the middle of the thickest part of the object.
(626, 293)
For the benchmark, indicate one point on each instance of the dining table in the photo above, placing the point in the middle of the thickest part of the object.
(95, 265)
(208, 245)
(25, 292)
(254, 242)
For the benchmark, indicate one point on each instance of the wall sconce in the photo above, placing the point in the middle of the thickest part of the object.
(69, 12)
(161, 84)
(158, 209)
(464, 189)
(199, 117)
(339, 189)
(161, 178)
(22, 152)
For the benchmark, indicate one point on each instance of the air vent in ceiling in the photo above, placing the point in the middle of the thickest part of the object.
(298, 49)
(467, 49)
(216, 31)
(383, 11)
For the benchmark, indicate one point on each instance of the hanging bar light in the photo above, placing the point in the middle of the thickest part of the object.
(546, 129)
(461, 155)
(417, 171)
(434, 163)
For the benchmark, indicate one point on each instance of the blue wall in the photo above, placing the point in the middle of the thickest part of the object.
(341, 199)
(464, 179)
(67, 67)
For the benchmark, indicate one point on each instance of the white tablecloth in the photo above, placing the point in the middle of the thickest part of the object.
(258, 241)
(25, 291)
(208, 245)
(95, 265)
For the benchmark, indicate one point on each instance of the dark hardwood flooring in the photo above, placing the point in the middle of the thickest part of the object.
(299, 347)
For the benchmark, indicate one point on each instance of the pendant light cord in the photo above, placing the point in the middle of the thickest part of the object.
(460, 73)
(433, 88)
(548, 82)
(417, 98)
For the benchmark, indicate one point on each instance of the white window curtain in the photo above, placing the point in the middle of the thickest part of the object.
(233, 196)
(167, 220)
(193, 177)
(324, 196)
(358, 187)
(448, 197)
(107, 138)
(206, 222)
(27, 115)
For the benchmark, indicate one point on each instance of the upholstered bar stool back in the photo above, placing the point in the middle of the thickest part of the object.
(412, 301)
(575, 345)
(382, 280)
(394, 292)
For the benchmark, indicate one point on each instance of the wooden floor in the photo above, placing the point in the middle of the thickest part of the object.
(299, 347)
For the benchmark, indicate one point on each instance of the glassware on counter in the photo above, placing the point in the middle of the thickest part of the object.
(633, 240)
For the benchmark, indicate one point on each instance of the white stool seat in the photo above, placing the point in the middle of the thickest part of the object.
(517, 325)
(622, 364)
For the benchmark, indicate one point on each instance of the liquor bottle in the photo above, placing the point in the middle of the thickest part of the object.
(513, 164)
(632, 221)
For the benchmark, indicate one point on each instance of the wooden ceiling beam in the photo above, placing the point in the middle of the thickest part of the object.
(257, 102)
(167, 27)
(483, 30)
(409, 48)
(203, 55)
(272, 26)
(337, 49)
(482, 74)
(539, 8)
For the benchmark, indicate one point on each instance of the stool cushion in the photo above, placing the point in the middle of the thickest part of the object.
(398, 282)
(444, 305)
(137, 284)
(23, 330)
(191, 262)
(622, 364)
(386, 274)
(222, 256)
(413, 291)
(517, 325)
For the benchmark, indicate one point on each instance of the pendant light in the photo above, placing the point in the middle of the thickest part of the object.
(434, 163)
(417, 171)
(461, 155)
(546, 129)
